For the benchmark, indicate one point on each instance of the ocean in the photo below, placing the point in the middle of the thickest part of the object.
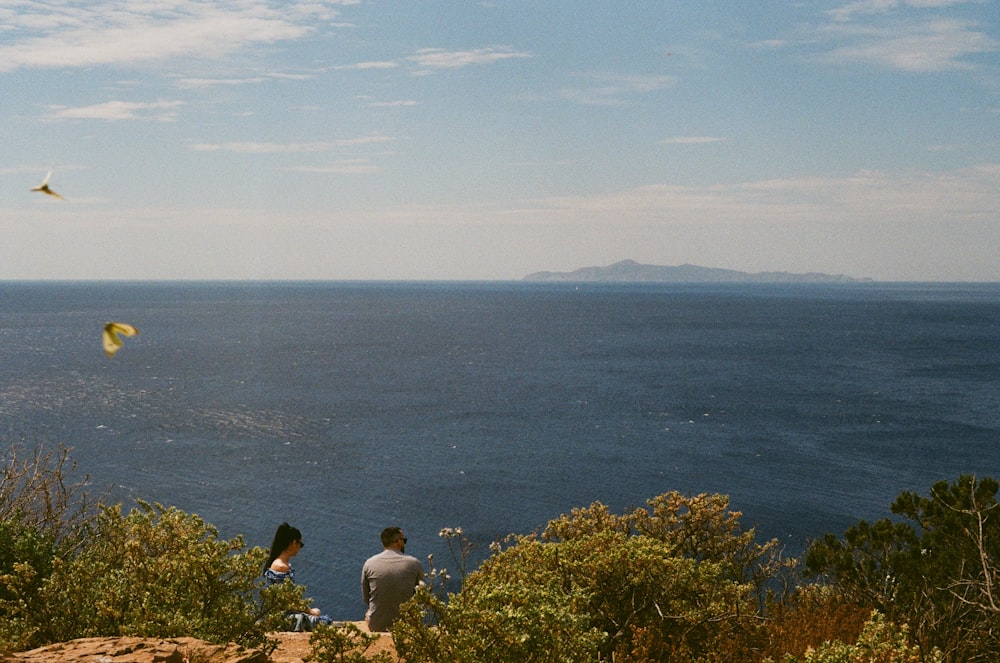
(343, 408)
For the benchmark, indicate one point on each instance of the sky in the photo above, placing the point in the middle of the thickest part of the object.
(467, 140)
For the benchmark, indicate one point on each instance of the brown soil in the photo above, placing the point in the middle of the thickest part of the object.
(292, 648)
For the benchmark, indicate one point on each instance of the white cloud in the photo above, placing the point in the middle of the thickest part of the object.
(203, 83)
(770, 44)
(366, 140)
(254, 147)
(118, 110)
(393, 104)
(197, 83)
(375, 64)
(867, 7)
(615, 89)
(937, 45)
(692, 140)
(867, 197)
(290, 77)
(124, 33)
(345, 167)
(437, 58)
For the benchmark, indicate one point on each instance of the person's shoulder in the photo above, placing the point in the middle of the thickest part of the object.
(374, 558)
(279, 566)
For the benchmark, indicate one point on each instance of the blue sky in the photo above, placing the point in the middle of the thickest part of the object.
(456, 139)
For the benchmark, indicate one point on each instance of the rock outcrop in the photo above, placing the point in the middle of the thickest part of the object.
(138, 650)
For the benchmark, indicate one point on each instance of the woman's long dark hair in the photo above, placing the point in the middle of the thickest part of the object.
(282, 539)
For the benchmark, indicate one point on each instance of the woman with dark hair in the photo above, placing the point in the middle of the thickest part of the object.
(286, 544)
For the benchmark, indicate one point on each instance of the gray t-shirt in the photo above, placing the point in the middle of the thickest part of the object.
(388, 579)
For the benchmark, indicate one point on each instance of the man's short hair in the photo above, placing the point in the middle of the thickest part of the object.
(390, 535)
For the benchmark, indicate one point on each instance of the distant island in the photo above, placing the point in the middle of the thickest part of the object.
(630, 271)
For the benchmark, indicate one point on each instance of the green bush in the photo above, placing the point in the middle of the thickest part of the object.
(160, 572)
(26, 559)
(880, 642)
(936, 570)
(155, 572)
(809, 616)
(344, 643)
(504, 612)
(39, 488)
(676, 582)
(679, 580)
(72, 567)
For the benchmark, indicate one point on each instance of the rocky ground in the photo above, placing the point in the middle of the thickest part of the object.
(292, 648)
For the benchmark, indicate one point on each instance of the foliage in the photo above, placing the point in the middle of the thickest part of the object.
(459, 547)
(936, 571)
(344, 644)
(155, 572)
(44, 511)
(879, 642)
(809, 616)
(502, 621)
(159, 572)
(670, 583)
(26, 558)
(72, 567)
(37, 489)
(699, 527)
(678, 580)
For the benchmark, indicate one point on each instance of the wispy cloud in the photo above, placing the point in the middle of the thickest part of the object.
(966, 194)
(399, 103)
(907, 35)
(950, 147)
(124, 33)
(936, 45)
(366, 140)
(199, 83)
(373, 64)
(868, 7)
(438, 58)
(615, 89)
(345, 167)
(428, 59)
(204, 83)
(254, 147)
(162, 111)
(769, 44)
(692, 140)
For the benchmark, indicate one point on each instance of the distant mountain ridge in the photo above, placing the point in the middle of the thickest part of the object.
(630, 271)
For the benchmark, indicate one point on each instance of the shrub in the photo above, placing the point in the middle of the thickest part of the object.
(43, 513)
(344, 644)
(880, 642)
(72, 567)
(37, 488)
(811, 615)
(159, 572)
(26, 559)
(935, 571)
(666, 584)
(499, 622)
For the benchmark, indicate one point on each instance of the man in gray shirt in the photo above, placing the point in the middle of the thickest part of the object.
(389, 579)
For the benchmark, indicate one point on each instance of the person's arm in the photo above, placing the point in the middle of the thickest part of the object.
(366, 592)
(418, 573)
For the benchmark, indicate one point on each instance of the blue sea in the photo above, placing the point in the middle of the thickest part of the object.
(343, 408)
